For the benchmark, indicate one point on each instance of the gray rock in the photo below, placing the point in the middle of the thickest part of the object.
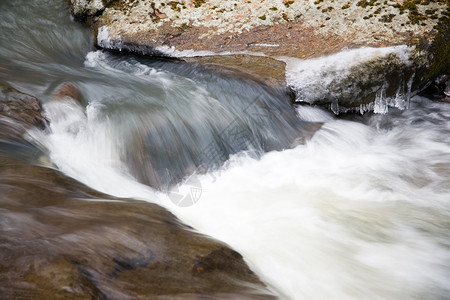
(82, 9)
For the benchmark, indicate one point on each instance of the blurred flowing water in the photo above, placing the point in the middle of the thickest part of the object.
(345, 210)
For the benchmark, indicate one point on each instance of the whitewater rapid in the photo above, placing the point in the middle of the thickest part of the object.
(360, 211)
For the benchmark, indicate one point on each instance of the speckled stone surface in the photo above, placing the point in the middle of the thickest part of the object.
(296, 28)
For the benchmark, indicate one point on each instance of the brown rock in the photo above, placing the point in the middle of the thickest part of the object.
(23, 110)
(67, 90)
(62, 240)
(267, 70)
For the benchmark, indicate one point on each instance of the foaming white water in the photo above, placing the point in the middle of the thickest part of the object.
(83, 146)
(351, 215)
(312, 114)
(359, 212)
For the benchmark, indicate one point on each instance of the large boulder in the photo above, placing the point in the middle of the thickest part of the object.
(280, 29)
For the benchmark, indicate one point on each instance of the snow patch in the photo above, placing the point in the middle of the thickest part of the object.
(319, 79)
(104, 39)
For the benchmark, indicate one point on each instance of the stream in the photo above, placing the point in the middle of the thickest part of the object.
(319, 206)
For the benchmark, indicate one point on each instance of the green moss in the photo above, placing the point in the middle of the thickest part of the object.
(198, 3)
(118, 4)
(441, 49)
(329, 8)
(431, 11)
(410, 5)
(413, 12)
(288, 3)
(365, 3)
(387, 18)
(437, 60)
(273, 8)
(416, 18)
(346, 6)
(263, 17)
(176, 6)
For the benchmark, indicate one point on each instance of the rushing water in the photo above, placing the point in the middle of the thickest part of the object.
(359, 211)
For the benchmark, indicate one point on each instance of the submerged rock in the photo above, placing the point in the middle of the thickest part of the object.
(280, 29)
(268, 70)
(67, 90)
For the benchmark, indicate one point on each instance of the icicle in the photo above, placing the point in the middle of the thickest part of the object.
(335, 106)
(363, 108)
(400, 100)
(408, 93)
(381, 102)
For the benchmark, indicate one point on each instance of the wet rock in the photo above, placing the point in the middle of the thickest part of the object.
(60, 239)
(447, 90)
(67, 90)
(23, 109)
(271, 30)
(439, 89)
(267, 70)
(220, 259)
